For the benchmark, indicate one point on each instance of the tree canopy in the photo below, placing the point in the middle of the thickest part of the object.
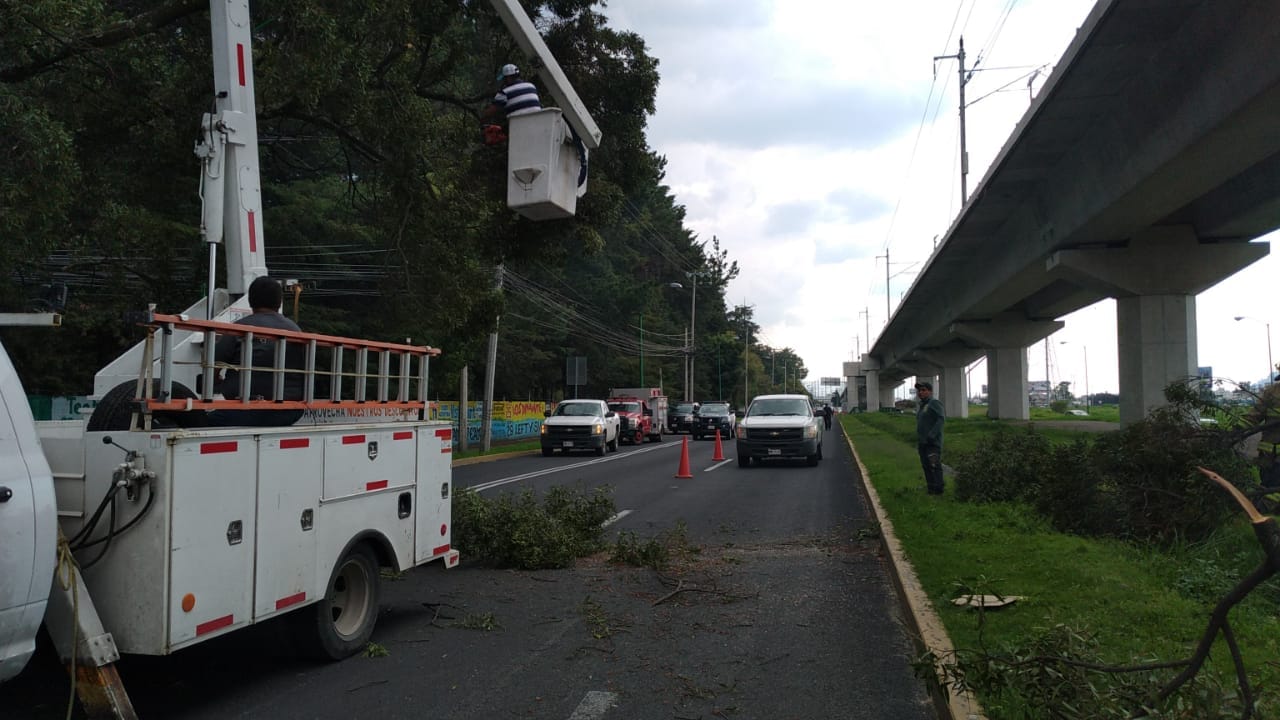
(378, 192)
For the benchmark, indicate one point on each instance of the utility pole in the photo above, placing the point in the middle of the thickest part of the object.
(964, 152)
(867, 314)
(1048, 383)
(693, 335)
(487, 429)
(641, 349)
(746, 352)
(886, 286)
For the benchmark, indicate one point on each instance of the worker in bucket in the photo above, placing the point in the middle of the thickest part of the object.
(516, 96)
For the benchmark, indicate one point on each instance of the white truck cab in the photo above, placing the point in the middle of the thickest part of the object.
(28, 522)
(580, 425)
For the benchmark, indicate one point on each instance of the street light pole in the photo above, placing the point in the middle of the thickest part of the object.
(1271, 367)
(1086, 379)
(1086, 373)
(693, 338)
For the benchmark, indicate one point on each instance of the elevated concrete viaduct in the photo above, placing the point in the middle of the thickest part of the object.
(1142, 172)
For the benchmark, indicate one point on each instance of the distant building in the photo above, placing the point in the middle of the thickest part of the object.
(1038, 392)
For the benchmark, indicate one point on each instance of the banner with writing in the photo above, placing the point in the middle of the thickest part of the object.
(512, 420)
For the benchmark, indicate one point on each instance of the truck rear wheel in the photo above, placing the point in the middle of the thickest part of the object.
(341, 624)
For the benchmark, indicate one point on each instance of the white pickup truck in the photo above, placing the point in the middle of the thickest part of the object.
(580, 425)
(28, 522)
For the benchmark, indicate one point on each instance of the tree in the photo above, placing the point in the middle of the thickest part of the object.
(377, 192)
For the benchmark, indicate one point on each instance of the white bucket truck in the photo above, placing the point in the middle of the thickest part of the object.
(165, 532)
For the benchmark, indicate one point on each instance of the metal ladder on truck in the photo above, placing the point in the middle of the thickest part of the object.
(395, 380)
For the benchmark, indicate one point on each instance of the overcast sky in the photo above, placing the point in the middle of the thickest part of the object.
(809, 135)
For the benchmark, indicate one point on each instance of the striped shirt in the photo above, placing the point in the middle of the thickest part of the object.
(518, 99)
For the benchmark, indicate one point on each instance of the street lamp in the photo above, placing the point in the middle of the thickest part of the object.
(1271, 368)
(1086, 374)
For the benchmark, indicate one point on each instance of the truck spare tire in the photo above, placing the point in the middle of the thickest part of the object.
(115, 410)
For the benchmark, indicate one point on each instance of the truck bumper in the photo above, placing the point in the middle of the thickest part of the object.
(590, 442)
(765, 451)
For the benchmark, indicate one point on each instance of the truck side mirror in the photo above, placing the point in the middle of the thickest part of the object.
(546, 413)
(610, 414)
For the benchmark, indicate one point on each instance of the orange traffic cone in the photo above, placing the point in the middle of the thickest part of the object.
(683, 473)
(719, 448)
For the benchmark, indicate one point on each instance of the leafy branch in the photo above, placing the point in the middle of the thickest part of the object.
(124, 30)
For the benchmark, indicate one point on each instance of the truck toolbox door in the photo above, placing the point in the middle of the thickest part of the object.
(291, 471)
(435, 490)
(214, 490)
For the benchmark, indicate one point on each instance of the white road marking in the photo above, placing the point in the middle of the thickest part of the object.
(713, 467)
(594, 705)
(560, 468)
(615, 518)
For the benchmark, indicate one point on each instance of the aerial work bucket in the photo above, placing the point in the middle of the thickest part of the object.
(544, 165)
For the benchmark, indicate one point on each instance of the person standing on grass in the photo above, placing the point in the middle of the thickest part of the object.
(929, 419)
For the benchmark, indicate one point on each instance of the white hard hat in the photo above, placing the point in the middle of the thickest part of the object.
(508, 70)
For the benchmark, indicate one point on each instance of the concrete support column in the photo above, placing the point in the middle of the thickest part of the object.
(1155, 279)
(953, 383)
(852, 370)
(1007, 384)
(954, 392)
(873, 391)
(886, 393)
(1156, 339)
(1007, 338)
(851, 394)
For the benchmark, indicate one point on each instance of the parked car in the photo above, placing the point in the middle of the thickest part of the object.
(713, 416)
(778, 427)
(680, 417)
(580, 425)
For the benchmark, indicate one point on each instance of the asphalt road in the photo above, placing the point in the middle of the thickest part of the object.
(781, 609)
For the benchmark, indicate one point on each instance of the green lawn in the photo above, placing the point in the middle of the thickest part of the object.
(1140, 602)
(499, 448)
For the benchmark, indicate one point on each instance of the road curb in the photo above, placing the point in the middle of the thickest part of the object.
(475, 459)
(929, 634)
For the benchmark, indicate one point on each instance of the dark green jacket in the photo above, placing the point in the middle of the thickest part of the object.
(929, 419)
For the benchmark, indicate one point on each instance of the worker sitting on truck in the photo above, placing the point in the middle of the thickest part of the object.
(515, 97)
(265, 296)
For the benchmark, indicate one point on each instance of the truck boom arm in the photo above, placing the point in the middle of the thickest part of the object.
(230, 186)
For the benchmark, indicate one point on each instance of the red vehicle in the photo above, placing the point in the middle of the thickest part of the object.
(642, 413)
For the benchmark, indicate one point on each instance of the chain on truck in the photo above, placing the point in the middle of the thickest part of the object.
(159, 532)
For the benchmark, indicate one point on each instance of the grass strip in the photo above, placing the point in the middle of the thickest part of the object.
(1139, 602)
